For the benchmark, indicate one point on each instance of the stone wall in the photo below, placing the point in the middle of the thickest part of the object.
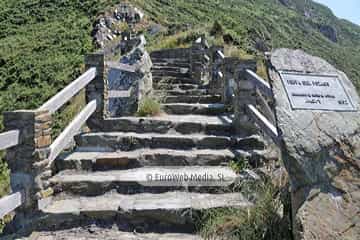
(28, 161)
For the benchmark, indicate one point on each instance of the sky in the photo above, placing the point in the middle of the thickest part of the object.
(347, 9)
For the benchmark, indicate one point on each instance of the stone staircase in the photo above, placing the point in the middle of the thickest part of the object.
(108, 181)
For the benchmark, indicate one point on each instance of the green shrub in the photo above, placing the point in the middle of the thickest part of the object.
(216, 29)
(239, 164)
(148, 107)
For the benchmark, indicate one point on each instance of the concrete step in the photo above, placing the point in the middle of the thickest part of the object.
(147, 179)
(181, 92)
(177, 87)
(183, 124)
(100, 161)
(171, 210)
(207, 99)
(194, 108)
(120, 141)
(93, 232)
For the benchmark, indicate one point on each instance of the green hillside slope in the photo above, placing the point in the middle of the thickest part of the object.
(266, 24)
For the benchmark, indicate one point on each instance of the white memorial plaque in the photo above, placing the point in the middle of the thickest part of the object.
(316, 92)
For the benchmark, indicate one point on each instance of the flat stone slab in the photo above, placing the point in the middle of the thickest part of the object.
(207, 99)
(182, 124)
(120, 141)
(170, 201)
(176, 87)
(191, 118)
(96, 233)
(180, 92)
(81, 160)
(194, 108)
(153, 176)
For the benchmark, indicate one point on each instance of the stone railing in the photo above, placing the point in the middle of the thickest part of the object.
(30, 151)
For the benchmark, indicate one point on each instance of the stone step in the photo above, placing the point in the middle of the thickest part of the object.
(149, 212)
(207, 99)
(181, 92)
(177, 87)
(171, 64)
(147, 179)
(183, 124)
(194, 108)
(173, 80)
(170, 60)
(161, 73)
(170, 68)
(93, 232)
(101, 161)
(120, 141)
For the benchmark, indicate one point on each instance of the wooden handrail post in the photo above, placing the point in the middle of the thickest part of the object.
(28, 161)
(97, 90)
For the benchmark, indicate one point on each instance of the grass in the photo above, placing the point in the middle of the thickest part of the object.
(148, 107)
(239, 164)
(260, 222)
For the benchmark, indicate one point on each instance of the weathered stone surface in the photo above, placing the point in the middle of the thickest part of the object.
(194, 108)
(114, 141)
(98, 232)
(321, 154)
(207, 99)
(91, 161)
(184, 124)
(131, 85)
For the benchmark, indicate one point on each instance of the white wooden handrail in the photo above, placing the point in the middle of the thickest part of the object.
(220, 74)
(71, 130)
(10, 203)
(260, 83)
(221, 54)
(56, 102)
(264, 105)
(264, 123)
(9, 139)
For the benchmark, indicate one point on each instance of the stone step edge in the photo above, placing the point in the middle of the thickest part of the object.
(144, 202)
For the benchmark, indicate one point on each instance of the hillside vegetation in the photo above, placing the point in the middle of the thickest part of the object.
(258, 25)
(42, 46)
(43, 42)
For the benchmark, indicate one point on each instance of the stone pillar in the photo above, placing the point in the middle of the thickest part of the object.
(97, 90)
(198, 63)
(216, 85)
(244, 93)
(28, 161)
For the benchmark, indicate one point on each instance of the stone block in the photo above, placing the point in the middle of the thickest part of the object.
(43, 141)
(318, 149)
